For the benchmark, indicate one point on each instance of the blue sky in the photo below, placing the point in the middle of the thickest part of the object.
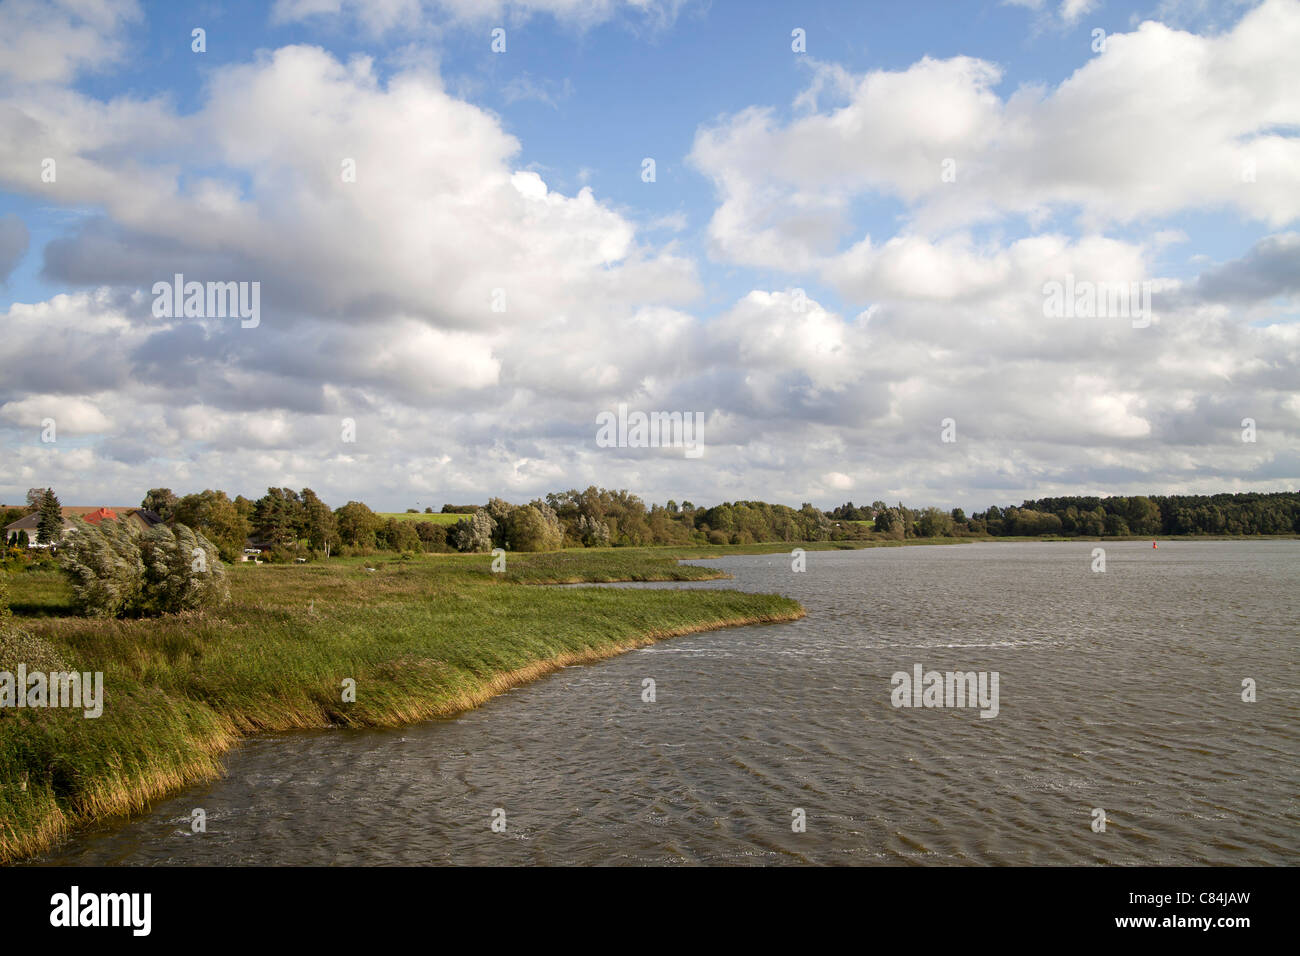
(1076, 161)
(622, 90)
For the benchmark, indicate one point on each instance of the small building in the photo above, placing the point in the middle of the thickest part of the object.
(254, 548)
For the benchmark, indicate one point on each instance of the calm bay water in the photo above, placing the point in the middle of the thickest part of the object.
(1119, 691)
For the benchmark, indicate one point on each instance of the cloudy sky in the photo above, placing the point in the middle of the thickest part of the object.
(845, 237)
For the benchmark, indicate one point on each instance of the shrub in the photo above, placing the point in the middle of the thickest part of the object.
(534, 528)
(114, 570)
(935, 523)
(394, 535)
(183, 571)
(593, 532)
(20, 647)
(474, 534)
(433, 537)
(104, 568)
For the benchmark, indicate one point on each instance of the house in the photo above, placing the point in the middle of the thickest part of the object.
(253, 547)
(141, 518)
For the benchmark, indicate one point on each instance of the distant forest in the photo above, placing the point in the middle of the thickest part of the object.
(285, 524)
(1248, 513)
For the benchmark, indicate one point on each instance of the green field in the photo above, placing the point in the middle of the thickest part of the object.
(438, 518)
(422, 637)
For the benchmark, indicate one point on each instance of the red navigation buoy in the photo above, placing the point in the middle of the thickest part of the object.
(1153, 544)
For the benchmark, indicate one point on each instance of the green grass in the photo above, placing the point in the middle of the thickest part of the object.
(421, 637)
(438, 518)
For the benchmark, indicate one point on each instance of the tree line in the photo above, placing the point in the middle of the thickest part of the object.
(1243, 513)
(1251, 513)
(286, 524)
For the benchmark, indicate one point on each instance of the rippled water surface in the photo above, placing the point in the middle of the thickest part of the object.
(1119, 690)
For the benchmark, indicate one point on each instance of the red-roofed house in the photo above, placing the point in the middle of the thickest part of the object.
(99, 514)
(138, 517)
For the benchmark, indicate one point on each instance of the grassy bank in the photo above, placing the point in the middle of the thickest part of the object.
(422, 637)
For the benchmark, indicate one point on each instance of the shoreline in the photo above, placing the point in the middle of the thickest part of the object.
(127, 787)
(137, 800)
(162, 751)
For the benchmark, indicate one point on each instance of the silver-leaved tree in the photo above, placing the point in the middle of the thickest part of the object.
(115, 570)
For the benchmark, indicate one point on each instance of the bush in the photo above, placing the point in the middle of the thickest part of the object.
(474, 534)
(104, 568)
(183, 571)
(114, 570)
(433, 537)
(32, 559)
(20, 647)
(935, 523)
(394, 535)
(534, 528)
(593, 532)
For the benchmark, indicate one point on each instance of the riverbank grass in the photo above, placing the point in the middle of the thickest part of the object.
(421, 637)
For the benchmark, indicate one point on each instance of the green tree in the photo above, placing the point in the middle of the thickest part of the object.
(394, 535)
(279, 517)
(433, 537)
(214, 515)
(161, 502)
(321, 526)
(357, 525)
(50, 528)
(1143, 515)
(813, 524)
(528, 530)
(934, 523)
(499, 510)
